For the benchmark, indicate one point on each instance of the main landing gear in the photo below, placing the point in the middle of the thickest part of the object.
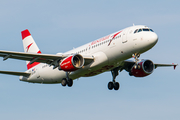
(114, 84)
(67, 80)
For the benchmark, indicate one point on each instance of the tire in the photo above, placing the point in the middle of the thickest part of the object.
(116, 86)
(110, 85)
(135, 66)
(63, 82)
(139, 67)
(70, 82)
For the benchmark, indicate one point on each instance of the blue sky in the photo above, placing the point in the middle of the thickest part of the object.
(58, 26)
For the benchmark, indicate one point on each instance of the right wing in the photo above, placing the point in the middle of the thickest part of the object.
(35, 57)
(16, 73)
(43, 58)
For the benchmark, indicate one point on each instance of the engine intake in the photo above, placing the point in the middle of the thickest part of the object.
(72, 63)
(144, 68)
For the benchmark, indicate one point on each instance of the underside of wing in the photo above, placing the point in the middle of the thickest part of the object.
(128, 64)
(141, 68)
(15, 73)
(166, 65)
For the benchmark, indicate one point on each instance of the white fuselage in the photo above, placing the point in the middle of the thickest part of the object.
(108, 52)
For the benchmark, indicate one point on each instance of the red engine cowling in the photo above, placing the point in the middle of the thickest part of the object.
(72, 63)
(144, 68)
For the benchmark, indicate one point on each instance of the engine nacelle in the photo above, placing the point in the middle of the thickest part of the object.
(72, 63)
(144, 68)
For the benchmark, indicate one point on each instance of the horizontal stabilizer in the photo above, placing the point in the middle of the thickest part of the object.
(15, 73)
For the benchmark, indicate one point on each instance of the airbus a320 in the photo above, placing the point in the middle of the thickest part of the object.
(109, 53)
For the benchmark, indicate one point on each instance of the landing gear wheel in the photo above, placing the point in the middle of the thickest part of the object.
(116, 86)
(137, 66)
(70, 82)
(110, 85)
(64, 82)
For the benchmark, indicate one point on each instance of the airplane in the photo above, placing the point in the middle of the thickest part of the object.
(109, 53)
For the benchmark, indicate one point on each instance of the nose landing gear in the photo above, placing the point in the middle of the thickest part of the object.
(136, 56)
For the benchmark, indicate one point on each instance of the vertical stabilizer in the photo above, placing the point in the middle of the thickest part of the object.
(29, 46)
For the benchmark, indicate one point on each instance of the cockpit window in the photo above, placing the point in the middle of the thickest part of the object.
(143, 29)
(151, 30)
(136, 31)
(139, 30)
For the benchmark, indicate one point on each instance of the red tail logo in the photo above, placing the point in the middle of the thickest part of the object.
(28, 47)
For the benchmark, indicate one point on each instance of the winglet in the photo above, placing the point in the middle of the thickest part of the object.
(174, 65)
(25, 34)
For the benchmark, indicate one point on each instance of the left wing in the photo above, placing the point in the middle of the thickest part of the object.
(166, 65)
(128, 64)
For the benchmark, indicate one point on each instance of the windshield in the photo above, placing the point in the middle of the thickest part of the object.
(143, 29)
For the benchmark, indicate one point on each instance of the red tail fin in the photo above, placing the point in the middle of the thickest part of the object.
(29, 46)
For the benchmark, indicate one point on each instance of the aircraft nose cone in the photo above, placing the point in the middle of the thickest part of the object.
(154, 38)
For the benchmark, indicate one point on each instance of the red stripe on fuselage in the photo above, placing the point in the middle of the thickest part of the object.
(29, 66)
(114, 37)
(25, 34)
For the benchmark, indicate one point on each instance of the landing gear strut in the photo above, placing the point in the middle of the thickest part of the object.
(114, 84)
(67, 80)
(136, 56)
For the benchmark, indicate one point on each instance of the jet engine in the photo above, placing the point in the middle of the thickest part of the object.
(142, 69)
(72, 63)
